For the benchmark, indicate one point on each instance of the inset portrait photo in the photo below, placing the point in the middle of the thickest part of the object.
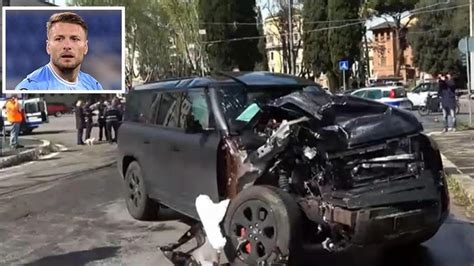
(63, 50)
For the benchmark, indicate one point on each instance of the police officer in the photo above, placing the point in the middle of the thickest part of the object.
(113, 116)
(88, 114)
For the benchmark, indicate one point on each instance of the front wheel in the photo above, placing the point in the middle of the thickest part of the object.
(423, 110)
(139, 205)
(263, 225)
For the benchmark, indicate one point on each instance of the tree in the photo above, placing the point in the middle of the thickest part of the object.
(332, 34)
(279, 20)
(147, 39)
(395, 9)
(316, 52)
(262, 64)
(232, 34)
(435, 37)
(184, 29)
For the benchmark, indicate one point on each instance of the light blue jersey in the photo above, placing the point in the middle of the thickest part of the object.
(44, 78)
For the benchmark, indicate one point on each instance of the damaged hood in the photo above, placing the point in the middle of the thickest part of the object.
(357, 120)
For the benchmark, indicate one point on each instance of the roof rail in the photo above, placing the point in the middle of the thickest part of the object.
(171, 79)
(231, 77)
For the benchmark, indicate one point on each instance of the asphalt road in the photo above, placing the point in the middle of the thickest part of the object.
(81, 219)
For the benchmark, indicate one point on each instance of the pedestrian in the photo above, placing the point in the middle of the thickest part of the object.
(88, 119)
(80, 122)
(15, 117)
(447, 95)
(113, 116)
(101, 120)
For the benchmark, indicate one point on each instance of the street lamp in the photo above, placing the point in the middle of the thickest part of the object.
(202, 32)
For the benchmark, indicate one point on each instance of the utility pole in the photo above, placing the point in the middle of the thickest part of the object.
(471, 26)
(470, 61)
(290, 36)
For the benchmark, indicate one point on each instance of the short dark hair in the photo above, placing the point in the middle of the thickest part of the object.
(66, 17)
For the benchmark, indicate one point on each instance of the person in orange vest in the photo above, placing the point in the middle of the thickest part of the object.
(15, 117)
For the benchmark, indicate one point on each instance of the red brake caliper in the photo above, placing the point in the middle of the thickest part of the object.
(248, 246)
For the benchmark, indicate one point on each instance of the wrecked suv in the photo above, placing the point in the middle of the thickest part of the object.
(299, 165)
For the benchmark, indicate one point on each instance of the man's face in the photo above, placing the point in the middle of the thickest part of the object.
(67, 45)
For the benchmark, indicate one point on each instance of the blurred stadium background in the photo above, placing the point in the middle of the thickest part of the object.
(25, 42)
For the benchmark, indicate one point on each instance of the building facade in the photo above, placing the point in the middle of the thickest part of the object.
(275, 34)
(384, 50)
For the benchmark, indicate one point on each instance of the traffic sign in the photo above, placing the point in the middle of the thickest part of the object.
(344, 65)
(466, 44)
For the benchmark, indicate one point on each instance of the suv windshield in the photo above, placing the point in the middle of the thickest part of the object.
(238, 101)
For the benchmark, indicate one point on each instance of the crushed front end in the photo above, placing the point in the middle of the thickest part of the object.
(362, 172)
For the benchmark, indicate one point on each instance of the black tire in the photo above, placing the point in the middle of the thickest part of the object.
(139, 205)
(26, 131)
(411, 107)
(58, 114)
(423, 110)
(275, 239)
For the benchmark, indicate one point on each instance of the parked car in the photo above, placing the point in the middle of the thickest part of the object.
(419, 94)
(299, 165)
(58, 109)
(34, 111)
(391, 95)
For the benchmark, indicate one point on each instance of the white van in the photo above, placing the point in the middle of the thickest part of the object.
(35, 111)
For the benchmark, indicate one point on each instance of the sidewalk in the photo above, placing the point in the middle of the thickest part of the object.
(33, 149)
(68, 163)
(457, 149)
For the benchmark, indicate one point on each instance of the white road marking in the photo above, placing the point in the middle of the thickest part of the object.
(62, 147)
(48, 156)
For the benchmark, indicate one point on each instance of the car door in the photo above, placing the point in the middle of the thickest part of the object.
(163, 183)
(415, 97)
(374, 94)
(197, 146)
(187, 164)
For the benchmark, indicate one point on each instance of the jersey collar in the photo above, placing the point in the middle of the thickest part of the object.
(58, 77)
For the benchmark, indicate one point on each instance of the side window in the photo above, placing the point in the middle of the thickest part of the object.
(138, 107)
(195, 111)
(425, 87)
(168, 114)
(374, 94)
(362, 94)
(417, 89)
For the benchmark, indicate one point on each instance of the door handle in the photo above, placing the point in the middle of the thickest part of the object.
(146, 142)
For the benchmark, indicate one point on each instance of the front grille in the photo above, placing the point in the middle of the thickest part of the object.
(394, 160)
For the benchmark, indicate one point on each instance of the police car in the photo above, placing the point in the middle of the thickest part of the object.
(35, 114)
(391, 95)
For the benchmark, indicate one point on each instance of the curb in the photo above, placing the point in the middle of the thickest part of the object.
(450, 169)
(29, 155)
(466, 182)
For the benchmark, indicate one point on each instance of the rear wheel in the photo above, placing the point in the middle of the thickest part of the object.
(263, 225)
(423, 110)
(58, 114)
(139, 205)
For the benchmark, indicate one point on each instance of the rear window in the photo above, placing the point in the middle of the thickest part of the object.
(399, 93)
